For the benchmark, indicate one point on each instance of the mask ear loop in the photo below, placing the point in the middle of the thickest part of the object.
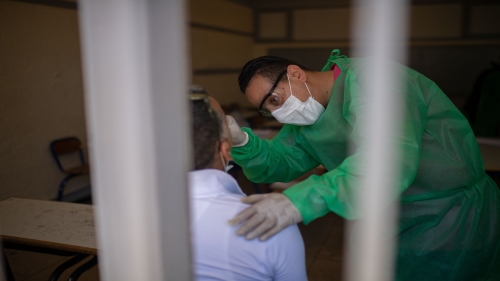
(226, 167)
(289, 84)
(309, 91)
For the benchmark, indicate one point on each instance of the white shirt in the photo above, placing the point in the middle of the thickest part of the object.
(219, 254)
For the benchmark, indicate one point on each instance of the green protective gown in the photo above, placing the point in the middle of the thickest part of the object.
(449, 224)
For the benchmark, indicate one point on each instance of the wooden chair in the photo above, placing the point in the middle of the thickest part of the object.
(69, 157)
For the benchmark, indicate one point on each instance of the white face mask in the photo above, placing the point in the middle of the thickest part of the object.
(295, 112)
(227, 167)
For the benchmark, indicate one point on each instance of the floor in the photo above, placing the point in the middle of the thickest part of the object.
(323, 240)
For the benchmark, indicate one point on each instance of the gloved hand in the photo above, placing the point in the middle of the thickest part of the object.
(239, 137)
(269, 214)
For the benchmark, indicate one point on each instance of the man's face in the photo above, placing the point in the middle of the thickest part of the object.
(260, 91)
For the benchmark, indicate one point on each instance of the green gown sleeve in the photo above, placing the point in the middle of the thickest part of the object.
(280, 159)
(335, 190)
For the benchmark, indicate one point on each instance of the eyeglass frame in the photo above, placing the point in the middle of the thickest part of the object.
(260, 111)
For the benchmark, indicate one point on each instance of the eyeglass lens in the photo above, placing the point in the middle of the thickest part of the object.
(265, 111)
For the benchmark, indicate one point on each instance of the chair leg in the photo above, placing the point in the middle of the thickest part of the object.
(9, 276)
(79, 271)
(62, 185)
(67, 264)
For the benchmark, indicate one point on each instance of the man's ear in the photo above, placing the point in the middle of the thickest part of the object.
(295, 72)
(225, 148)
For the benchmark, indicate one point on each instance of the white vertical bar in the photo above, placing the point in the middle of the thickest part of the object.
(133, 181)
(379, 33)
(170, 80)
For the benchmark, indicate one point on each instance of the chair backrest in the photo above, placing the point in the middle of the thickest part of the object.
(65, 146)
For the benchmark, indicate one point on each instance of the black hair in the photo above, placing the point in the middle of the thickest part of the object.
(207, 131)
(268, 67)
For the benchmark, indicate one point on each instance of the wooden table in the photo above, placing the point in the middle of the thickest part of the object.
(56, 227)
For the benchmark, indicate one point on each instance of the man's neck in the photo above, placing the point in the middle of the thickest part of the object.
(321, 85)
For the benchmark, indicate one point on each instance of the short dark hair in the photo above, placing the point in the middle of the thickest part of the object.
(268, 67)
(207, 131)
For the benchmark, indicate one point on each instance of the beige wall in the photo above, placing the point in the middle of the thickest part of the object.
(221, 42)
(41, 96)
(215, 50)
(223, 87)
(445, 21)
(436, 21)
(440, 33)
(335, 24)
(222, 14)
(41, 92)
(485, 19)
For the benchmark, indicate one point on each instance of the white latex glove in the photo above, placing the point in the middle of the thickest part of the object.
(239, 137)
(269, 214)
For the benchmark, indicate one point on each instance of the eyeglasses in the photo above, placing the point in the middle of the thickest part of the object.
(265, 111)
(199, 94)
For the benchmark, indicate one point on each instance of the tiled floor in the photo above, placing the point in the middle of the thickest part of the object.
(323, 240)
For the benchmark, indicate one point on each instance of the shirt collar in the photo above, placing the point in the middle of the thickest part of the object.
(212, 182)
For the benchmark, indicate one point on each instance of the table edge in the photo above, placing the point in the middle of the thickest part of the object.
(49, 245)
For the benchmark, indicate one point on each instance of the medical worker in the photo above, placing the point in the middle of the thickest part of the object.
(449, 223)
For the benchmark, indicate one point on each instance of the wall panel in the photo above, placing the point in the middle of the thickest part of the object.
(218, 50)
(485, 20)
(273, 25)
(222, 14)
(223, 87)
(436, 21)
(41, 96)
(321, 24)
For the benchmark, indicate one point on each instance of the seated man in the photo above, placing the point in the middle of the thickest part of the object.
(220, 254)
